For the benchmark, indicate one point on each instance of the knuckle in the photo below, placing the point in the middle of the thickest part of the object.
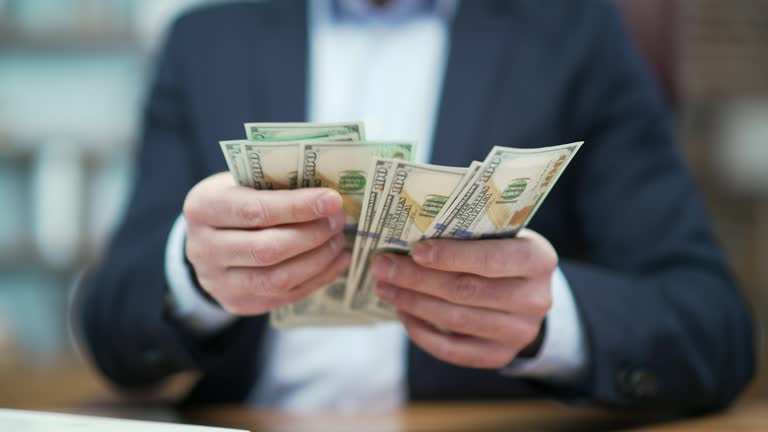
(467, 289)
(254, 281)
(496, 261)
(401, 272)
(264, 253)
(542, 302)
(254, 212)
(298, 209)
(443, 255)
(318, 232)
(194, 210)
(549, 260)
(196, 252)
(525, 255)
(457, 318)
(274, 283)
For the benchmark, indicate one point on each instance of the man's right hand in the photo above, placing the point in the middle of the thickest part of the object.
(257, 250)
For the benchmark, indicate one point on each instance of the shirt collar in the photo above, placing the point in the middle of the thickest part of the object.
(397, 10)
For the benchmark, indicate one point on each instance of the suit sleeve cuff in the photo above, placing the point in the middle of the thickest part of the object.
(188, 305)
(563, 356)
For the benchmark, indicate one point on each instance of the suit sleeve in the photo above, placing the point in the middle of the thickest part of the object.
(121, 307)
(666, 325)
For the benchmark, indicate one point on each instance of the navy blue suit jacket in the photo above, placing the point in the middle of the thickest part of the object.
(665, 324)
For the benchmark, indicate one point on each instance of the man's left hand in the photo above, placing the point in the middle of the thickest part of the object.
(491, 295)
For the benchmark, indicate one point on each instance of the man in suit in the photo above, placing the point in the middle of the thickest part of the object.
(618, 294)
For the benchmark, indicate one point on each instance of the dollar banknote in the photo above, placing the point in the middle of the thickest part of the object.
(381, 171)
(504, 194)
(233, 154)
(390, 203)
(343, 167)
(269, 159)
(271, 165)
(277, 132)
(473, 169)
(413, 196)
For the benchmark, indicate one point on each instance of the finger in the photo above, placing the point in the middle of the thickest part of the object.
(238, 207)
(245, 304)
(504, 294)
(483, 323)
(526, 255)
(266, 247)
(330, 274)
(277, 280)
(461, 350)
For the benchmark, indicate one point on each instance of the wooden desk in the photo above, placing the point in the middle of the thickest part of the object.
(444, 417)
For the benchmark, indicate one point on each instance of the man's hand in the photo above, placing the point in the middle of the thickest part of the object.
(254, 251)
(491, 295)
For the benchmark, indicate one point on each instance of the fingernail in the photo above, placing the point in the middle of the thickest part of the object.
(423, 253)
(327, 202)
(386, 292)
(383, 267)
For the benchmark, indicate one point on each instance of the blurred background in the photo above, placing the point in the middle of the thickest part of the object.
(73, 76)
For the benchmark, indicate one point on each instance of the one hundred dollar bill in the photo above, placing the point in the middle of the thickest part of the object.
(472, 171)
(343, 167)
(244, 157)
(274, 165)
(271, 166)
(389, 203)
(380, 175)
(233, 154)
(413, 195)
(276, 132)
(505, 194)
(269, 159)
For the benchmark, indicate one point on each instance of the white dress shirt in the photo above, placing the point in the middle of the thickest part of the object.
(384, 67)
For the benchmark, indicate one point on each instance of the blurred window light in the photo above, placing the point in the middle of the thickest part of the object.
(85, 96)
(58, 183)
(106, 196)
(14, 193)
(154, 17)
(72, 18)
(743, 146)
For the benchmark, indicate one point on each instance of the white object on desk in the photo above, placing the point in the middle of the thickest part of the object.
(34, 421)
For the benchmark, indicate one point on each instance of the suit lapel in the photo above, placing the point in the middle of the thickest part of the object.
(283, 62)
(474, 67)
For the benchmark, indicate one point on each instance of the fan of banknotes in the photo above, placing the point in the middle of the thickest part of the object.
(390, 201)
